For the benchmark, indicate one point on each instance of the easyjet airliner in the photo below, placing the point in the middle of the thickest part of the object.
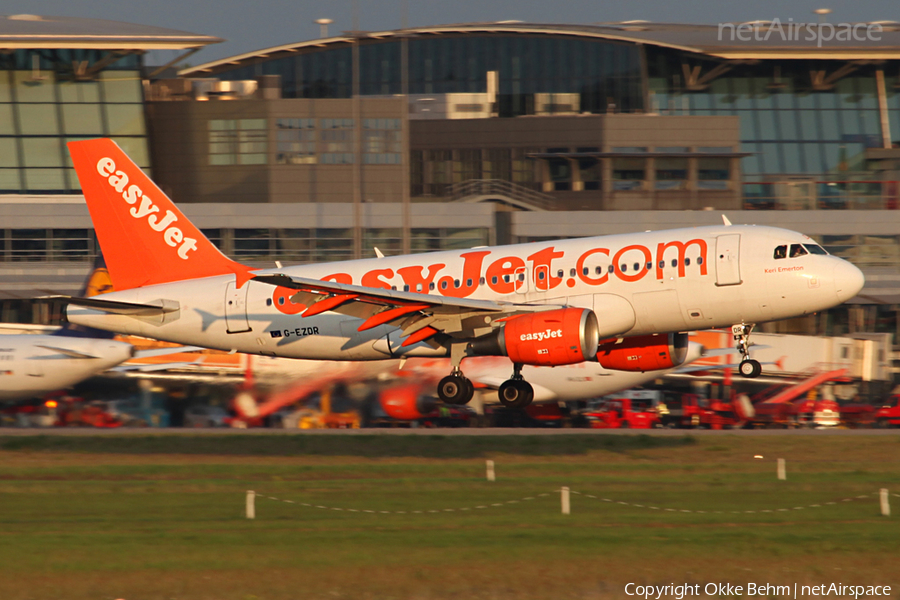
(621, 300)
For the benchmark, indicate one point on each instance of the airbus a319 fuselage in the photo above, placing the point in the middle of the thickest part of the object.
(643, 283)
(548, 303)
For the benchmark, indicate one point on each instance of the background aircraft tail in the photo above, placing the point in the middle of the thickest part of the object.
(145, 238)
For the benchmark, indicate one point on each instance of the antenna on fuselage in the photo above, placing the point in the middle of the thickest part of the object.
(378, 252)
(726, 221)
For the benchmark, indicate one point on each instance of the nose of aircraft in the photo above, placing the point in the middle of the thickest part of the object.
(848, 280)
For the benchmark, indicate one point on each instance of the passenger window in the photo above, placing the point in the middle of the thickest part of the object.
(662, 264)
(541, 275)
(674, 262)
(469, 282)
(624, 268)
(444, 285)
(649, 266)
(585, 271)
(521, 276)
(780, 251)
(611, 268)
(560, 273)
(699, 260)
(599, 270)
(798, 250)
(481, 281)
(405, 288)
(494, 280)
(431, 286)
(506, 278)
(687, 262)
(571, 272)
(637, 266)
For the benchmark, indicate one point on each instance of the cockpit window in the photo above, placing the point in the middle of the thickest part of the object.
(798, 250)
(815, 249)
(780, 251)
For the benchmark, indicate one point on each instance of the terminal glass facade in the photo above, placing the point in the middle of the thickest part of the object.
(602, 75)
(50, 97)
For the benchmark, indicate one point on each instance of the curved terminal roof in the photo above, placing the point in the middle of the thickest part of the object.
(767, 40)
(34, 31)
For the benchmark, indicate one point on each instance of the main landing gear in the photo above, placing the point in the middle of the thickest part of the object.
(749, 368)
(516, 392)
(455, 388)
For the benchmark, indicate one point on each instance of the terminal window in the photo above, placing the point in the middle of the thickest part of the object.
(238, 141)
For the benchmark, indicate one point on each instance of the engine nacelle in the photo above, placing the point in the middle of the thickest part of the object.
(404, 402)
(644, 352)
(550, 338)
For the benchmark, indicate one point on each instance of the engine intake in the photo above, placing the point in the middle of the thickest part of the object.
(550, 338)
(644, 352)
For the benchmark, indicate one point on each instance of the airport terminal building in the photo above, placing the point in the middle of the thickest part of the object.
(463, 135)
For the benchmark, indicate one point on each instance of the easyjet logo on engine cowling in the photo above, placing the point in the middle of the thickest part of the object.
(143, 207)
(540, 335)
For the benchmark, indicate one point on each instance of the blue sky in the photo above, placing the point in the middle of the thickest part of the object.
(259, 24)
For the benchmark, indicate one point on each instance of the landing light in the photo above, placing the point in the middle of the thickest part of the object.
(50, 404)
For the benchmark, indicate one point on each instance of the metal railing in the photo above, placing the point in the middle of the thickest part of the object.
(475, 189)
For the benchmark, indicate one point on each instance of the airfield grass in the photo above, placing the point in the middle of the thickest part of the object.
(162, 517)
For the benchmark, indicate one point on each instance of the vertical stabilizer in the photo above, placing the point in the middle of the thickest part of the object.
(145, 239)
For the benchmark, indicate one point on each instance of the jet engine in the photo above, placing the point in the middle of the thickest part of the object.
(552, 338)
(405, 403)
(644, 352)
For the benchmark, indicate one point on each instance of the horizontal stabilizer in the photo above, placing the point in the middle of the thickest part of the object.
(67, 351)
(130, 309)
(151, 352)
(154, 368)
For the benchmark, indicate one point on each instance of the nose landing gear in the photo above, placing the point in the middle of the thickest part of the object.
(749, 368)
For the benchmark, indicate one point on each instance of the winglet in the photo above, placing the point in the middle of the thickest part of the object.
(726, 221)
(146, 240)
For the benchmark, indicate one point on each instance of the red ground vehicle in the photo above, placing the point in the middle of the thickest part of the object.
(619, 414)
(889, 413)
(689, 411)
(75, 412)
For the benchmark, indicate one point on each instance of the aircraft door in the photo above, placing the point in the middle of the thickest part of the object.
(541, 278)
(521, 280)
(236, 308)
(728, 264)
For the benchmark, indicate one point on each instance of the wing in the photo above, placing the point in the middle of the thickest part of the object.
(420, 316)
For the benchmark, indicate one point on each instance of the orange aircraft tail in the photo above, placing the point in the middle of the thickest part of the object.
(145, 239)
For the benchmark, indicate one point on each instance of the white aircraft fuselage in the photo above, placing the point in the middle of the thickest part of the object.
(641, 283)
(33, 365)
